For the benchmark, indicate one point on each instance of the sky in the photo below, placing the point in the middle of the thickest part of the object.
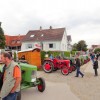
(81, 18)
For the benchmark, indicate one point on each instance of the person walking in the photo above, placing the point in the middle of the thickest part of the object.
(11, 78)
(92, 57)
(78, 64)
(97, 55)
(95, 66)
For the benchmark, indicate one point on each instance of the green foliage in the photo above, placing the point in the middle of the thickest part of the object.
(54, 53)
(74, 47)
(81, 45)
(15, 56)
(2, 38)
(42, 56)
(73, 53)
(97, 50)
(57, 53)
(67, 54)
(82, 61)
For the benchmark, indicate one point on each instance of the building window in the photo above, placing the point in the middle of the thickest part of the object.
(18, 41)
(31, 35)
(50, 45)
(13, 41)
(29, 45)
(42, 35)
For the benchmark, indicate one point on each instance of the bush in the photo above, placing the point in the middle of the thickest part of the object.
(97, 50)
(15, 56)
(42, 56)
(54, 53)
(73, 53)
(82, 61)
(67, 54)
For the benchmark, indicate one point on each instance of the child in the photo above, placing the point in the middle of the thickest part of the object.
(95, 66)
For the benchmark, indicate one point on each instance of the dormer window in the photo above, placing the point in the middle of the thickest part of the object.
(18, 41)
(13, 41)
(32, 35)
(42, 35)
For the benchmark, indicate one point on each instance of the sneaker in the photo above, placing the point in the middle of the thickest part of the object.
(82, 76)
(76, 76)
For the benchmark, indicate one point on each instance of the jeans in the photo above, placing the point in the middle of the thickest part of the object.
(11, 96)
(96, 73)
(79, 72)
(92, 61)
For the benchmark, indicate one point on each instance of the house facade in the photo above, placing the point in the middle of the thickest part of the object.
(46, 39)
(69, 40)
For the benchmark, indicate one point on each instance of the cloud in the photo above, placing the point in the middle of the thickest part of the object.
(80, 17)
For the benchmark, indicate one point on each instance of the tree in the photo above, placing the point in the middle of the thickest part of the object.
(2, 38)
(82, 46)
(97, 50)
(74, 47)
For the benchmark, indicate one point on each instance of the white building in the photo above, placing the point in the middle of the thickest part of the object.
(48, 39)
(69, 40)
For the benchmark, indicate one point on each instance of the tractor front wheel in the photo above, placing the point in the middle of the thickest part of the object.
(65, 71)
(47, 66)
(41, 86)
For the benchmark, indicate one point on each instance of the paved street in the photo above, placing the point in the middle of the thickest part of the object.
(59, 87)
(54, 91)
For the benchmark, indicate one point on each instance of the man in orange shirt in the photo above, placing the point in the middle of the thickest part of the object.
(11, 78)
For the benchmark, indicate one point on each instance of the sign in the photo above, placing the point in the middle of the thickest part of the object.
(37, 46)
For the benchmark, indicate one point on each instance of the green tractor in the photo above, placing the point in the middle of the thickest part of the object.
(29, 78)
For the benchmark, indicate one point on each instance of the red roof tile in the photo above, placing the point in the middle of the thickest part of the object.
(14, 40)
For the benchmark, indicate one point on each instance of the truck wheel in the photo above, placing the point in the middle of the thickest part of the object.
(19, 96)
(47, 66)
(41, 86)
(64, 71)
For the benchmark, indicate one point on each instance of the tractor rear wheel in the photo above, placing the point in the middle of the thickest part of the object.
(47, 66)
(65, 71)
(55, 69)
(41, 86)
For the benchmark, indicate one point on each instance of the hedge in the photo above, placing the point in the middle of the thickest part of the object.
(67, 54)
(97, 50)
(73, 53)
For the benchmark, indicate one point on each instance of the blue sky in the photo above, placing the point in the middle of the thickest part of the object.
(81, 18)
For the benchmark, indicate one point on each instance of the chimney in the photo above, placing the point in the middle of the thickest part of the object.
(40, 28)
(50, 27)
